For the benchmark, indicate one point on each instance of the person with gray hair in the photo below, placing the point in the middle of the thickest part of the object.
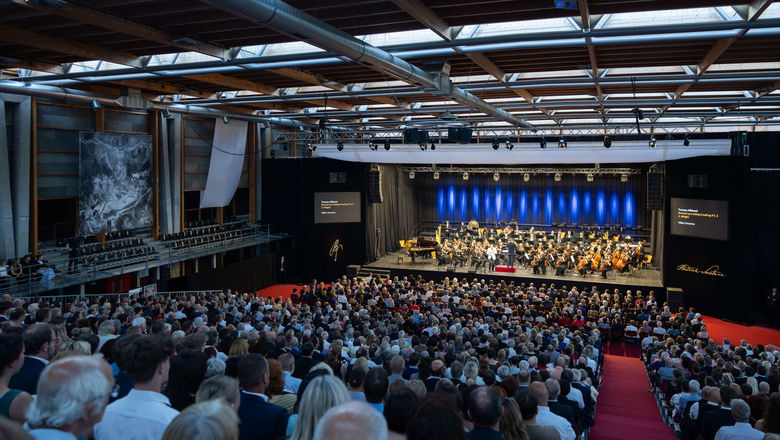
(106, 332)
(215, 367)
(741, 430)
(219, 388)
(208, 420)
(72, 396)
(354, 420)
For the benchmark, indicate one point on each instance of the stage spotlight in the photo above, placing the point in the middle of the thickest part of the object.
(651, 143)
(372, 146)
(526, 177)
(496, 176)
(435, 175)
(433, 146)
(589, 177)
(311, 146)
(387, 146)
(543, 143)
(423, 146)
(686, 141)
(339, 146)
(465, 176)
(562, 143)
(495, 145)
(557, 177)
(95, 105)
(411, 174)
(166, 113)
(607, 142)
(226, 120)
(624, 177)
(509, 146)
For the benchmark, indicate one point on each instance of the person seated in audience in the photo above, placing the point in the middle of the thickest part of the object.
(400, 405)
(352, 420)
(72, 397)
(278, 393)
(529, 409)
(320, 392)
(144, 411)
(208, 420)
(13, 403)
(436, 418)
(259, 419)
(40, 345)
(741, 430)
(220, 388)
(714, 420)
(485, 410)
(545, 416)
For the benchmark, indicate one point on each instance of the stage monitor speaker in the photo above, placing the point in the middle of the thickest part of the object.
(375, 185)
(352, 270)
(655, 191)
(461, 135)
(675, 297)
(415, 136)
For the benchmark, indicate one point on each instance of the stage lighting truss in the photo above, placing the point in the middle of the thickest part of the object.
(496, 173)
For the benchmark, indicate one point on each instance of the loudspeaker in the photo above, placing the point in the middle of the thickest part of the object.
(375, 185)
(675, 297)
(415, 136)
(459, 135)
(655, 191)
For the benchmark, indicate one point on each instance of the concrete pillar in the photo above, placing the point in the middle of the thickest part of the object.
(164, 169)
(7, 237)
(20, 183)
(175, 146)
(214, 261)
(264, 142)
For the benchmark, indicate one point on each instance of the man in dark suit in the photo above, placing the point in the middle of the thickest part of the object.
(485, 410)
(437, 373)
(40, 345)
(304, 364)
(523, 380)
(260, 420)
(714, 420)
(563, 409)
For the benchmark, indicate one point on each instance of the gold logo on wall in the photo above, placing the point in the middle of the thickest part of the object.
(334, 250)
(713, 271)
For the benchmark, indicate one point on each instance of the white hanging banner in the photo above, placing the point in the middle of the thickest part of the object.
(227, 160)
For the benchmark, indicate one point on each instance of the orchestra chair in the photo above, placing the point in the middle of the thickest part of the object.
(648, 260)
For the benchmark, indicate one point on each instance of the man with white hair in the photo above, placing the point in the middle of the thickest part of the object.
(354, 420)
(72, 396)
(106, 331)
(741, 429)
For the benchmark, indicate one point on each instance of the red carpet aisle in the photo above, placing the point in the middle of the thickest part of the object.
(719, 329)
(277, 290)
(625, 409)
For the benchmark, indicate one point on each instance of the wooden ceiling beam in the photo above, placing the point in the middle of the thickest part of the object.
(116, 23)
(428, 18)
(233, 83)
(32, 65)
(81, 50)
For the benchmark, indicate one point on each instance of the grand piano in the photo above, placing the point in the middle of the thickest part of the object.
(421, 246)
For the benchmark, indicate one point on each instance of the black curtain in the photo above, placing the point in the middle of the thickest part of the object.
(763, 235)
(394, 219)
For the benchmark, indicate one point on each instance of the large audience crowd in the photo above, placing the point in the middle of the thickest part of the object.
(364, 358)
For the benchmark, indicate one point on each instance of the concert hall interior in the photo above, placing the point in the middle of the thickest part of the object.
(529, 156)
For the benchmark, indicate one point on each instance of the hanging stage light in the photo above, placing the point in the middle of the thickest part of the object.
(526, 177)
(557, 177)
(624, 177)
(686, 141)
(495, 145)
(589, 177)
(372, 146)
(496, 176)
(607, 142)
(465, 176)
(411, 174)
(387, 145)
(543, 143)
(651, 143)
(509, 146)
(433, 146)
(340, 146)
(225, 119)
(435, 175)
(562, 143)
(423, 146)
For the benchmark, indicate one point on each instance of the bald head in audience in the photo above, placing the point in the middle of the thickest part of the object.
(540, 392)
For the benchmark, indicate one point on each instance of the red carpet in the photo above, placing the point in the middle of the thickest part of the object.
(625, 409)
(277, 290)
(719, 329)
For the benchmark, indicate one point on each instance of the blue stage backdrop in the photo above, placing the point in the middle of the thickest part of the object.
(606, 201)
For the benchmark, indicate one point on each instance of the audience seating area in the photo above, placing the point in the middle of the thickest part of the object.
(419, 353)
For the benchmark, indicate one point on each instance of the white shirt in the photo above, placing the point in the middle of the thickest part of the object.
(576, 395)
(545, 417)
(141, 415)
(51, 434)
(290, 382)
(740, 431)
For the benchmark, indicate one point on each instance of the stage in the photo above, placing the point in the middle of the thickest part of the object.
(400, 264)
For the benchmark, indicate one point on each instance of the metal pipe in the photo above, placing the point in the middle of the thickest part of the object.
(301, 26)
(440, 48)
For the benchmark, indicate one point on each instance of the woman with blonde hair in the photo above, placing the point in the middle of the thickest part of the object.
(511, 422)
(239, 347)
(209, 420)
(322, 393)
